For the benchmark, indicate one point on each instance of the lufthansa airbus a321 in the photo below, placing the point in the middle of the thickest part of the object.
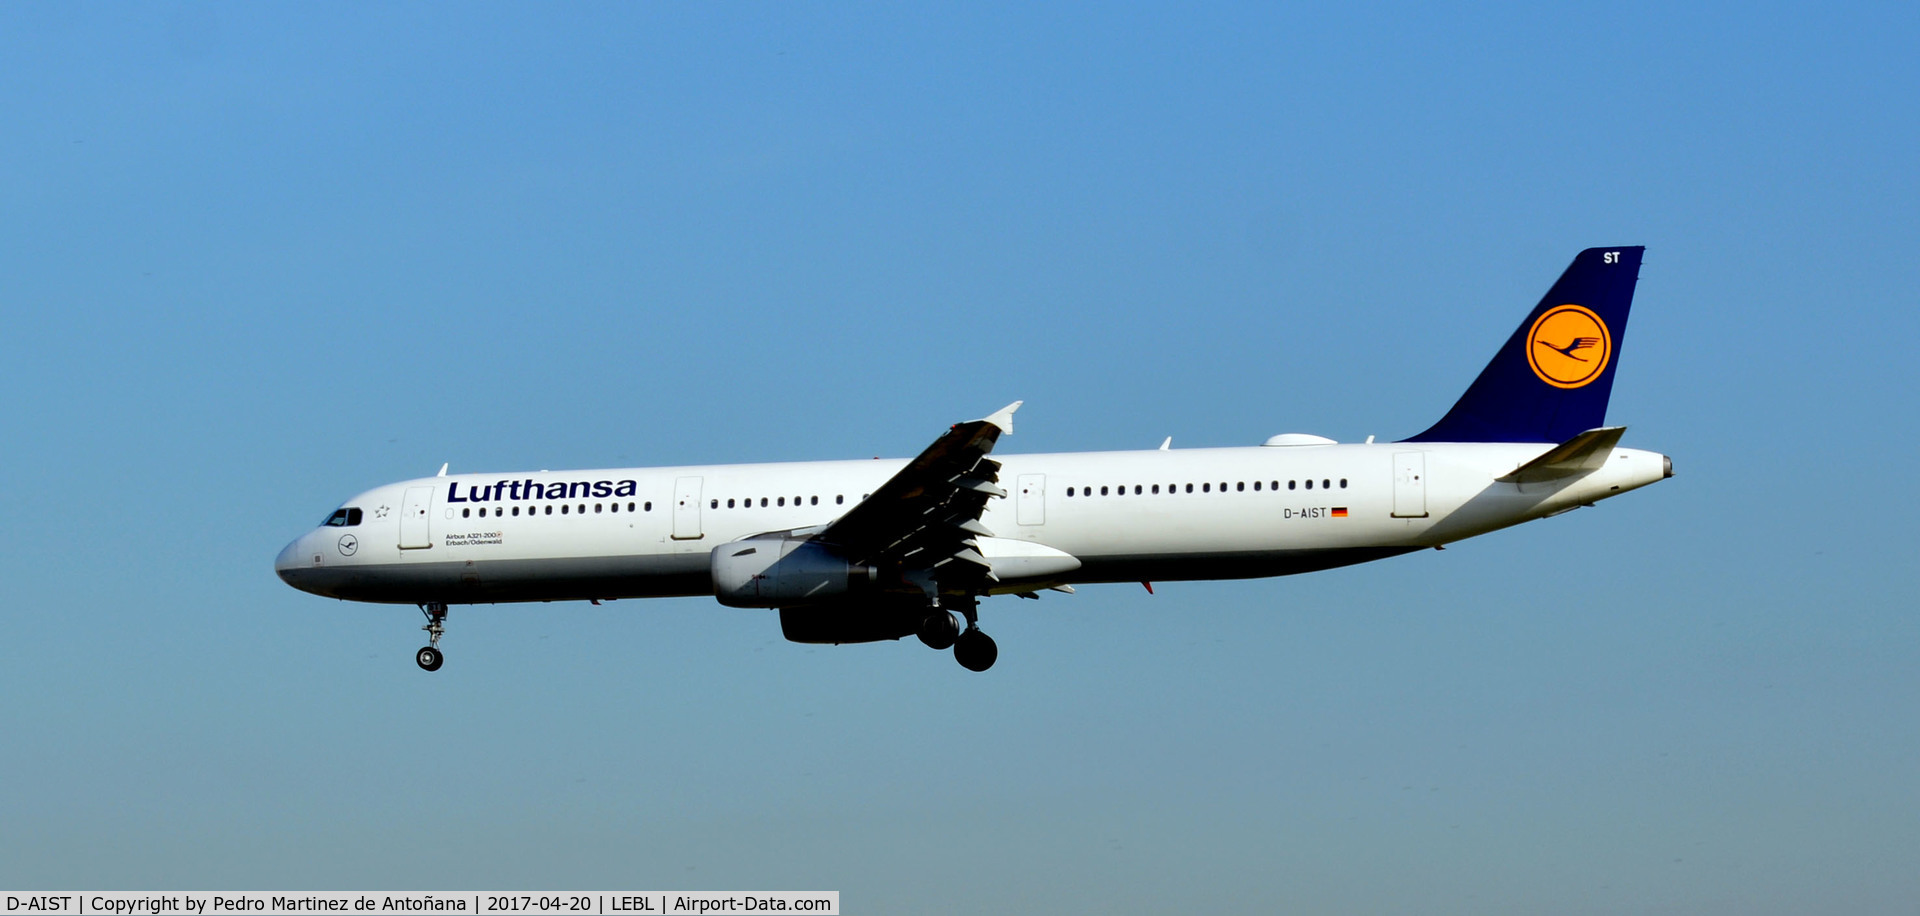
(859, 551)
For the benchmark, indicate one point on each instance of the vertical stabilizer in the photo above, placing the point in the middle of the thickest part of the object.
(1551, 380)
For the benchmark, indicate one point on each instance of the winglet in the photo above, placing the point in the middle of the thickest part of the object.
(1003, 417)
(443, 470)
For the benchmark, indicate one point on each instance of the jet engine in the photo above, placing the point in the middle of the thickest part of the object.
(859, 620)
(781, 571)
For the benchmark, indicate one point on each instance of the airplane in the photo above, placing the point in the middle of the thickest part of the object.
(871, 550)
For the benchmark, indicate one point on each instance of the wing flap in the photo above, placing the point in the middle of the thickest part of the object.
(927, 516)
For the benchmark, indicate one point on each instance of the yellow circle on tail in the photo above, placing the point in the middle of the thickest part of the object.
(1569, 346)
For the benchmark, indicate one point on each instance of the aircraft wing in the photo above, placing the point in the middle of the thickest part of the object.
(927, 515)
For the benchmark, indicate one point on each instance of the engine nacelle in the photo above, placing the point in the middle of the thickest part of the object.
(780, 571)
(855, 621)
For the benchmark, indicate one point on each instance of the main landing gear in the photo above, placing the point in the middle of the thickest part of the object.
(429, 657)
(973, 649)
(939, 629)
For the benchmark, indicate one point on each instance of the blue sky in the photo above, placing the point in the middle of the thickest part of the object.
(257, 258)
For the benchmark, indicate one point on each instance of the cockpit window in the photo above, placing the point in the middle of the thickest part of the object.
(343, 518)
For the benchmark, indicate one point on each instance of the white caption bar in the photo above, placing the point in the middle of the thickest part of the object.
(469, 903)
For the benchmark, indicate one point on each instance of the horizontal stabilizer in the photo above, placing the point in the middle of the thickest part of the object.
(1579, 455)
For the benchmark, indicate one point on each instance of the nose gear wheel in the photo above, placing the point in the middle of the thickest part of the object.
(429, 657)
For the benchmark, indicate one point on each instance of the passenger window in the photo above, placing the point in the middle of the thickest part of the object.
(466, 513)
(763, 502)
(729, 503)
(1136, 489)
(1103, 491)
(1343, 483)
(1206, 488)
(1309, 484)
(712, 504)
(563, 510)
(1189, 488)
(813, 500)
(1291, 484)
(549, 510)
(516, 511)
(782, 501)
(1069, 491)
(629, 507)
(649, 506)
(596, 506)
(1326, 484)
(1156, 489)
(1240, 487)
(837, 500)
(1256, 486)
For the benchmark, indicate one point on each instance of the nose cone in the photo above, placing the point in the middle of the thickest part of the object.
(288, 562)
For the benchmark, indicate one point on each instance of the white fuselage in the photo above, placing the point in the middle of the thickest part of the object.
(1117, 516)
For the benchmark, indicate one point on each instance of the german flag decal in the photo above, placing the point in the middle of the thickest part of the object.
(1339, 511)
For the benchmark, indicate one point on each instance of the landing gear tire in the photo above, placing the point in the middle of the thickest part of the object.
(939, 630)
(975, 650)
(429, 658)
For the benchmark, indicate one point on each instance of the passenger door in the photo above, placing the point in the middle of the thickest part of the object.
(686, 509)
(1409, 484)
(416, 529)
(1030, 501)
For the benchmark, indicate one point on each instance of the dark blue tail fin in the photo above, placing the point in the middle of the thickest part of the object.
(1550, 381)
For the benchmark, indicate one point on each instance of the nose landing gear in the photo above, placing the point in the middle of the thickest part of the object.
(429, 657)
